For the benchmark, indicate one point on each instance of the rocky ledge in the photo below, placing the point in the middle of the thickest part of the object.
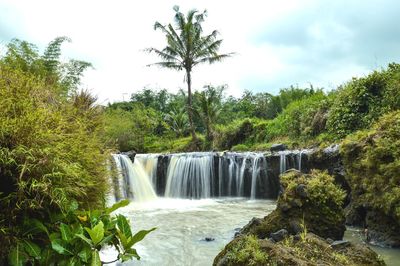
(306, 228)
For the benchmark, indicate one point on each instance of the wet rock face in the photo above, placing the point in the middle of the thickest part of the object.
(298, 210)
(382, 229)
(130, 154)
(278, 147)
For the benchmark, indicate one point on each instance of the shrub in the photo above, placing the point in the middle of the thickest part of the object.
(372, 162)
(362, 101)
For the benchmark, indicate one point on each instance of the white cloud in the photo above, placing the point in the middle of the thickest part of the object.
(112, 35)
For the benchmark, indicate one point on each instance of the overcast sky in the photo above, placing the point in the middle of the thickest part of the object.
(277, 43)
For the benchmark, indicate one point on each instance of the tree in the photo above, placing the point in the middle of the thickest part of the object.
(209, 107)
(186, 48)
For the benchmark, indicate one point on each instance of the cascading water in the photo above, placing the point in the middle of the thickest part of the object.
(242, 169)
(133, 179)
(282, 162)
(190, 175)
(149, 163)
(258, 160)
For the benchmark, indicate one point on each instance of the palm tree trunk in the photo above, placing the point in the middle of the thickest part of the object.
(189, 106)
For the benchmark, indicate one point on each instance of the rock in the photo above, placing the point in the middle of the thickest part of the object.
(209, 239)
(301, 191)
(253, 223)
(284, 206)
(130, 154)
(292, 209)
(312, 250)
(296, 203)
(297, 237)
(295, 227)
(330, 240)
(383, 229)
(278, 147)
(340, 243)
(279, 235)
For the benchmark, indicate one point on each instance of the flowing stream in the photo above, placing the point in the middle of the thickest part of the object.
(182, 226)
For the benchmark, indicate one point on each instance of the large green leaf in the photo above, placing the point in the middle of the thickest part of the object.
(32, 249)
(117, 205)
(97, 233)
(123, 226)
(95, 258)
(106, 239)
(84, 238)
(85, 254)
(140, 235)
(17, 257)
(60, 246)
(66, 233)
(129, 254)
(34, 226)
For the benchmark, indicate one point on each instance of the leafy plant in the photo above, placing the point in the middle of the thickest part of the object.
(75, 238)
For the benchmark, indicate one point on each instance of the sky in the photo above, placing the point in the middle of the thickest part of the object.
(276, 43)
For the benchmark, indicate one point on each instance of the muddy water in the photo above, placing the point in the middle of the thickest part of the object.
(182, 226)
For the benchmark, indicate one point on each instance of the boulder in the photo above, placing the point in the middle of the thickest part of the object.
(278, 147)
(279, 235)
(305, 250)
(295, 213)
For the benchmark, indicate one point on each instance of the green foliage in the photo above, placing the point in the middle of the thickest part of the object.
(52, 163)
(362, 101)
(247, 251)
(208, 108)
(372, 162)
(321, 188)
(128, 129)
(75, 238)
(232, 134)
(187, 46)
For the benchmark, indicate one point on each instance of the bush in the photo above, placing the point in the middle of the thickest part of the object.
(372, 162)
(127, 130)
(50, 152)
(362, 101)
(232, 134)
(75, 238)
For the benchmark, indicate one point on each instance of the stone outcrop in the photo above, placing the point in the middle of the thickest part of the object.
(308, 216)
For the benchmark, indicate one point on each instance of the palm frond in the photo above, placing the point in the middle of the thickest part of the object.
(213, 59)
(170, 65)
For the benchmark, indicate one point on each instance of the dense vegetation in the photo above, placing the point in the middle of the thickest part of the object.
(372, 160)
(296, 116)
(53, 164)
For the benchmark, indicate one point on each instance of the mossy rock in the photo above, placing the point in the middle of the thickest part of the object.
(310, 209)
(308, 249)
(372, 164)
(316, 206)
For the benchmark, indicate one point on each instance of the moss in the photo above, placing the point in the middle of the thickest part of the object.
(320, 210)
(247, 251)
(312, 250)
(372, 163)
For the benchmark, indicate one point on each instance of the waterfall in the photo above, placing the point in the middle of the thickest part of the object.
(282, 162)
(149, 163)
(133, 179)
(299, 159)
(256, 168)
(203, 174)
(190, 175)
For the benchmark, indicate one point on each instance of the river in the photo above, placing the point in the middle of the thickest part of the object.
(183, 224)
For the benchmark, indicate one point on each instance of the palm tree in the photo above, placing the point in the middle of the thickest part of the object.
(186, 48)
(208, 109)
